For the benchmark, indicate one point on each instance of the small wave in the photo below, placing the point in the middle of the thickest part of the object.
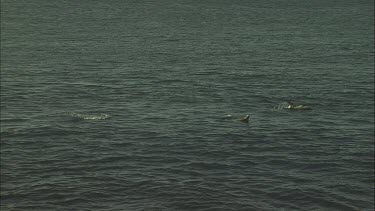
(13, 119)
(89, 116)
(36, 130)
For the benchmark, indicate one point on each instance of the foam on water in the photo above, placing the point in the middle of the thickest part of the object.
(283, 105)
(82, 116)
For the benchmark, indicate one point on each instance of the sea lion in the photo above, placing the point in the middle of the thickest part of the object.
(245, 118)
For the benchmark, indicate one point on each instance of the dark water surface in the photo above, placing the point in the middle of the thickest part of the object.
(121, 105)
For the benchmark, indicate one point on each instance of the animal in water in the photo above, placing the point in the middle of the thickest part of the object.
(292, 106)
(242, 119)
(245, 118)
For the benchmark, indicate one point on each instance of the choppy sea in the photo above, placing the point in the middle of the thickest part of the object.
(135, 105)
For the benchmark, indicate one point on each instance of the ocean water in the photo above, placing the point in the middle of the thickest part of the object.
(123, 105)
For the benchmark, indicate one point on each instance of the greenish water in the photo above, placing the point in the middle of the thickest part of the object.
(122, 105)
